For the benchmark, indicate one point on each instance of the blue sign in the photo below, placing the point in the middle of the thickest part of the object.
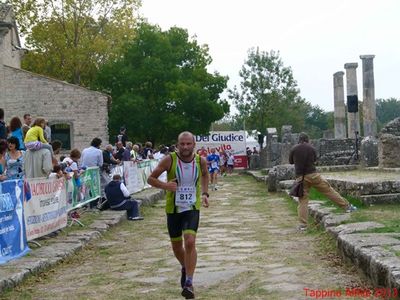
(13, 242)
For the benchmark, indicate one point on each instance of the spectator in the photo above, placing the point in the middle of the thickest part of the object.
(255, 150)
(171, 149)
(303, 156)
(108, 158)
(3, 128)
(27, 124)
(38, 163)
(57, 172)
(122, 137)
(16, 131)
(56, 145)
(14, 160)
(248, 153)
(162, 153)
(135, 152)
(72, 165)
(119, 198)
(126, 155)
(93, 156)
(148, 151)
(47, 132)
(119, 153)
(3, 149)
(34, 139)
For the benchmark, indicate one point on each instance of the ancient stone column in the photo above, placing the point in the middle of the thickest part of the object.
(339, 108)
(369, 104)
(353, 118)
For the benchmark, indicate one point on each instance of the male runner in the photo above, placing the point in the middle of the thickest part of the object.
(187, 189)
(213, 168)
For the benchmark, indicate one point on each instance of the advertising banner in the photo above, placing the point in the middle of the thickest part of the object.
(136, 174)
(45, 207)
(232, 141)
(86, 189)
(13, 243)
(133, 180)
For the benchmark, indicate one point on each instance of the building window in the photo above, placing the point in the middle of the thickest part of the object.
(62, 132)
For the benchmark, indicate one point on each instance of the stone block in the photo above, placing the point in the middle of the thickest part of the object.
(355, 227)
(369, 152)
(334, 219)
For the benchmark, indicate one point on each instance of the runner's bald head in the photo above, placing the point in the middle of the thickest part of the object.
(185, 134)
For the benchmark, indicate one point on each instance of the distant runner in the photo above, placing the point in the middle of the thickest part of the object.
(213, 168)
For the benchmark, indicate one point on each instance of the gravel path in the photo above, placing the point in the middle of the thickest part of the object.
(247, 244)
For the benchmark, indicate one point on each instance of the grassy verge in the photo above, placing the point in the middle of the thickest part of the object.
(388, 214)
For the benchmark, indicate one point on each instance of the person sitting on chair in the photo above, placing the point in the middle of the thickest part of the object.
(119, 198)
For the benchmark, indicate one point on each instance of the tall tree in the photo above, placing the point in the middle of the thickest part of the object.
(317, 120)
(268, 94)
(160, 86)
(70, 39)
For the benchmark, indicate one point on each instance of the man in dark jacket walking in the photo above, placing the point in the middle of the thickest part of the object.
(303, 156)
(119, 198)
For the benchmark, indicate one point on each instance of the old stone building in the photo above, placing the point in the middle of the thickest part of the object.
(76, 115)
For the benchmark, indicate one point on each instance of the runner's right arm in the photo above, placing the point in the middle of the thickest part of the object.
(153, 180)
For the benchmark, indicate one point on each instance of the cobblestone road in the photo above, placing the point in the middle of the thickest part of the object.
(247, 249)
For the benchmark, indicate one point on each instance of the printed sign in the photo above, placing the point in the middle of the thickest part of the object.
(13, 242)
(136, 174)
(86, 189)
(46, 208)
(232, 141)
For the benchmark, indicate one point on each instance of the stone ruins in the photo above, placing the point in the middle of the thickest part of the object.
(346, 146)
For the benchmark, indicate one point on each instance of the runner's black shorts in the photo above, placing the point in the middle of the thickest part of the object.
(186, 222)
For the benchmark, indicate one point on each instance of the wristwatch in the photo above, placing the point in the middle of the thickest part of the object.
(205, 194)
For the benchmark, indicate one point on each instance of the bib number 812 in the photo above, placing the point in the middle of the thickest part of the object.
(185, 197)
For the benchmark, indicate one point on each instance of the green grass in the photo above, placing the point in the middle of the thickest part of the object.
(314, 194)
(388, 215)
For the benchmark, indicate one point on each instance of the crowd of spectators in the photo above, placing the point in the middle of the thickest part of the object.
(15, 138)
(27, 151)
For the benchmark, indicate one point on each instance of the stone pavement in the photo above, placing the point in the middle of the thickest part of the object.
(248, 248)
(375, 254)
(58, 248)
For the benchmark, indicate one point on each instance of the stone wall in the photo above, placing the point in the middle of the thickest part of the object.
(389, 145)
(334, 152)
(59, 102)
(331, 152)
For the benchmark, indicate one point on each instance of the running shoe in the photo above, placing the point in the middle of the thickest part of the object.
(188, 292)
(351, 208)
(135, 218)
(301, 227)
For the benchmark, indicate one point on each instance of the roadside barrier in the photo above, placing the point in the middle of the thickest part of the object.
(39, 206)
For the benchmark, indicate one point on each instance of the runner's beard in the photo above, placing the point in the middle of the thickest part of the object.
(186, 153)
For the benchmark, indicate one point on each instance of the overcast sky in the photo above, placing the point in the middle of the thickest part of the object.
(315, 37)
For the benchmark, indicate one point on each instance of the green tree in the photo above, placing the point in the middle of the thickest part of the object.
(160, 86)
(268, 94)
(387, 110)
(70, 39)
(317, 120)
